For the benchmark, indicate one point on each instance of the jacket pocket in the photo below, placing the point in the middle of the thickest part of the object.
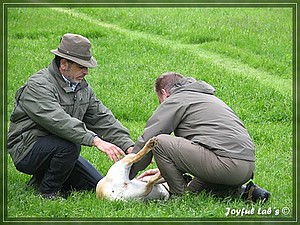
(82, 108)
(67, 107)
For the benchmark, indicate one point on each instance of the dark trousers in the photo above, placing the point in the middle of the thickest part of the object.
(57, 166)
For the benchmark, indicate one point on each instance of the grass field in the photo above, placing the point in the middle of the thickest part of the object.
(245, 53)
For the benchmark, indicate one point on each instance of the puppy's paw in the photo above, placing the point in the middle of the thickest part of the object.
(152, 142)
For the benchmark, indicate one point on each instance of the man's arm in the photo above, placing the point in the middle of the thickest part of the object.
(41, 105)
(101, 120)
(164, 120)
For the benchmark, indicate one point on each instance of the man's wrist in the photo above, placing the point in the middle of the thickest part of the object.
(96, 139)
(129, 150)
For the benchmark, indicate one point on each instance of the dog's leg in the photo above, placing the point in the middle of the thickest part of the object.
(147, 148)
(153, 180)
(157, 191)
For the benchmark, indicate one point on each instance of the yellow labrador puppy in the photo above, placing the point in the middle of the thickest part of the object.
(117, 186)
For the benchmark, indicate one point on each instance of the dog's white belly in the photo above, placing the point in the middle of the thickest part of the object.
(136, 189)
(117, 186)
(122, 190)
(158, 192)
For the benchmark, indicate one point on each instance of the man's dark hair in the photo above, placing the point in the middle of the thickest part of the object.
(58, 58)
(167, 81)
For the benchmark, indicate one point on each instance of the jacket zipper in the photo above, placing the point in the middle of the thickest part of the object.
(75, 105)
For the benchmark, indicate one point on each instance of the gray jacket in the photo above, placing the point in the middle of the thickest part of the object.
(192, 111)
(47, 105)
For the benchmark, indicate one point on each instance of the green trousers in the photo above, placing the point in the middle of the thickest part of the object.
(176, 156)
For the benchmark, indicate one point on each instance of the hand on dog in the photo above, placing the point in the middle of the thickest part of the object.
(113, 151)
(150, 172)
(129, 150)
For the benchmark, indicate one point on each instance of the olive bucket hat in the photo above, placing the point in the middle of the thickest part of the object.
(76, 48)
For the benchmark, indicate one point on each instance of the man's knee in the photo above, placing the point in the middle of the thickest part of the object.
(69, 148)
(165, 143)
(163, 138)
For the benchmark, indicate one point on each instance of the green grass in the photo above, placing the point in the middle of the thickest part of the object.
(246, 54)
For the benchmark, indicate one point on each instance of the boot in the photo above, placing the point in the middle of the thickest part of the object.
(255, 194)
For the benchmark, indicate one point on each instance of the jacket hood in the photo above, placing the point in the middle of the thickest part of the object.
(190, 84)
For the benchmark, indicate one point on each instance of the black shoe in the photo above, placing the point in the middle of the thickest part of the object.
(255, 194)
(187, 178)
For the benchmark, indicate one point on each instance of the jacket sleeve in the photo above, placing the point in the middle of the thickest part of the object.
(163, 121)
(41, 104)
(101, 120)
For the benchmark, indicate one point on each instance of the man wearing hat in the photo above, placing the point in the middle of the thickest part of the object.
(55, 113)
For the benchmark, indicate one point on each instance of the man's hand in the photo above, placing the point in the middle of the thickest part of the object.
(113, 151)
(148, 173)
(129, 150)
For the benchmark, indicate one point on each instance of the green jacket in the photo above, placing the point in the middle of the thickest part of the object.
(47, 105)
(192, 111)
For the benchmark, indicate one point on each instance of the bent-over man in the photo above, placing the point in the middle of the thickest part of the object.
(210, 142)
